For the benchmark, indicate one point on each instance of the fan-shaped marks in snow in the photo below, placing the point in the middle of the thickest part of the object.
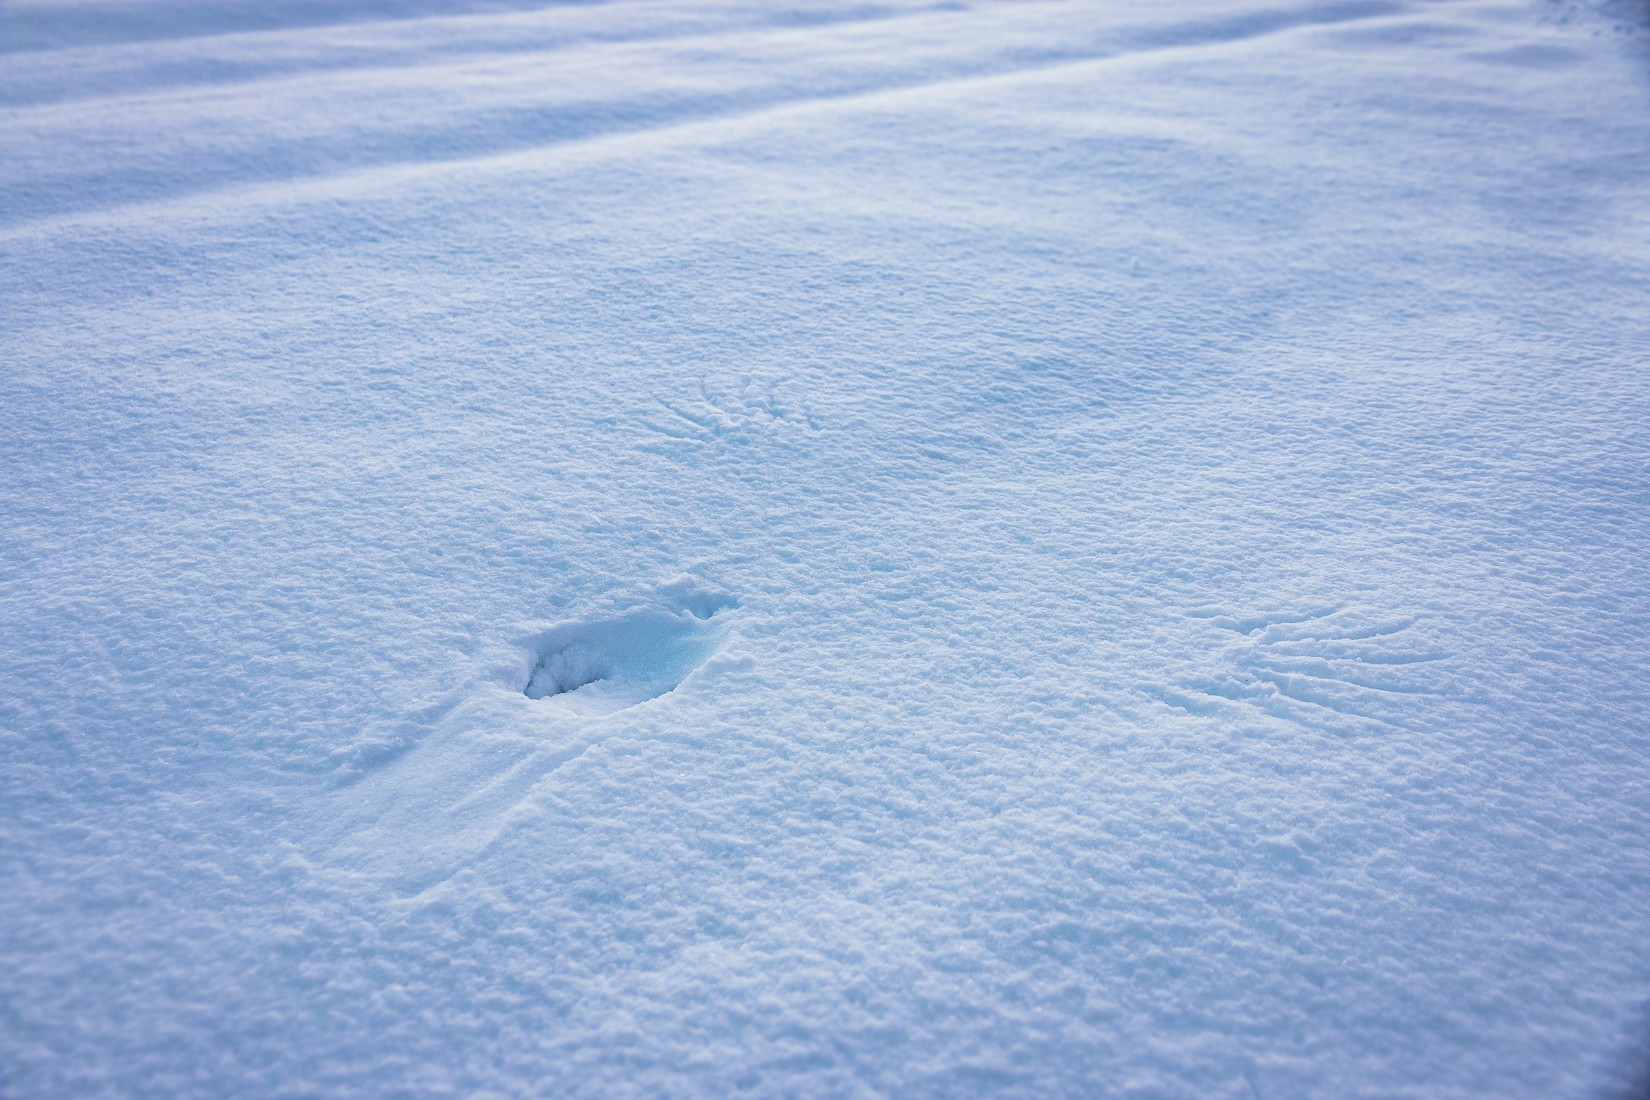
(1349, 662)
(600, 666)
(734, 414)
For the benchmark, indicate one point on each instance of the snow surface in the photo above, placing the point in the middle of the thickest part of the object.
(864, 549)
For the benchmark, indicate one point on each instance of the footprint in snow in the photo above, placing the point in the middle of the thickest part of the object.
(587, 669)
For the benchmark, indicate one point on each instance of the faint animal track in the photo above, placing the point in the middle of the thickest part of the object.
(722, 416)
(586, 669)
(1347, 661)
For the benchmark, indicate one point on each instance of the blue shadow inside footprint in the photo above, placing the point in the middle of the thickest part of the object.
(586, 669)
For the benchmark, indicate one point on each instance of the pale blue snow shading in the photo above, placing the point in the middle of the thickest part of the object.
(888, 549)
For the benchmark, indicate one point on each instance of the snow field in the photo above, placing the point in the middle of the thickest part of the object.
(916, 550)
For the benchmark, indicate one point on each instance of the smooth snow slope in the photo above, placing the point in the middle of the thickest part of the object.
(887, 549)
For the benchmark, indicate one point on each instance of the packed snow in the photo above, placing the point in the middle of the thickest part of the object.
(885, 548)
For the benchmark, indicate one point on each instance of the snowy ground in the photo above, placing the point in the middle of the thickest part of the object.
(883, 549)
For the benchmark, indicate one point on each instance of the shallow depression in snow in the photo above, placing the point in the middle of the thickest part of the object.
(600, 666)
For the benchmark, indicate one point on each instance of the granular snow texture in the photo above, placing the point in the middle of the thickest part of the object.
(869, 549)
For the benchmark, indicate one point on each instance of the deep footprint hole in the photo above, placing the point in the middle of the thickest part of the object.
(603, 665)
(567, 670)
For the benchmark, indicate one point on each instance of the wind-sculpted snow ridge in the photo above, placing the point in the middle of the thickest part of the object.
(708, 549)
(154, 136)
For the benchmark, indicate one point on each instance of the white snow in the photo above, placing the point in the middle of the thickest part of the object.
(865, 549)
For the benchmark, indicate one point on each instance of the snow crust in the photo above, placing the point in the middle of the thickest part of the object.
(868, 549)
